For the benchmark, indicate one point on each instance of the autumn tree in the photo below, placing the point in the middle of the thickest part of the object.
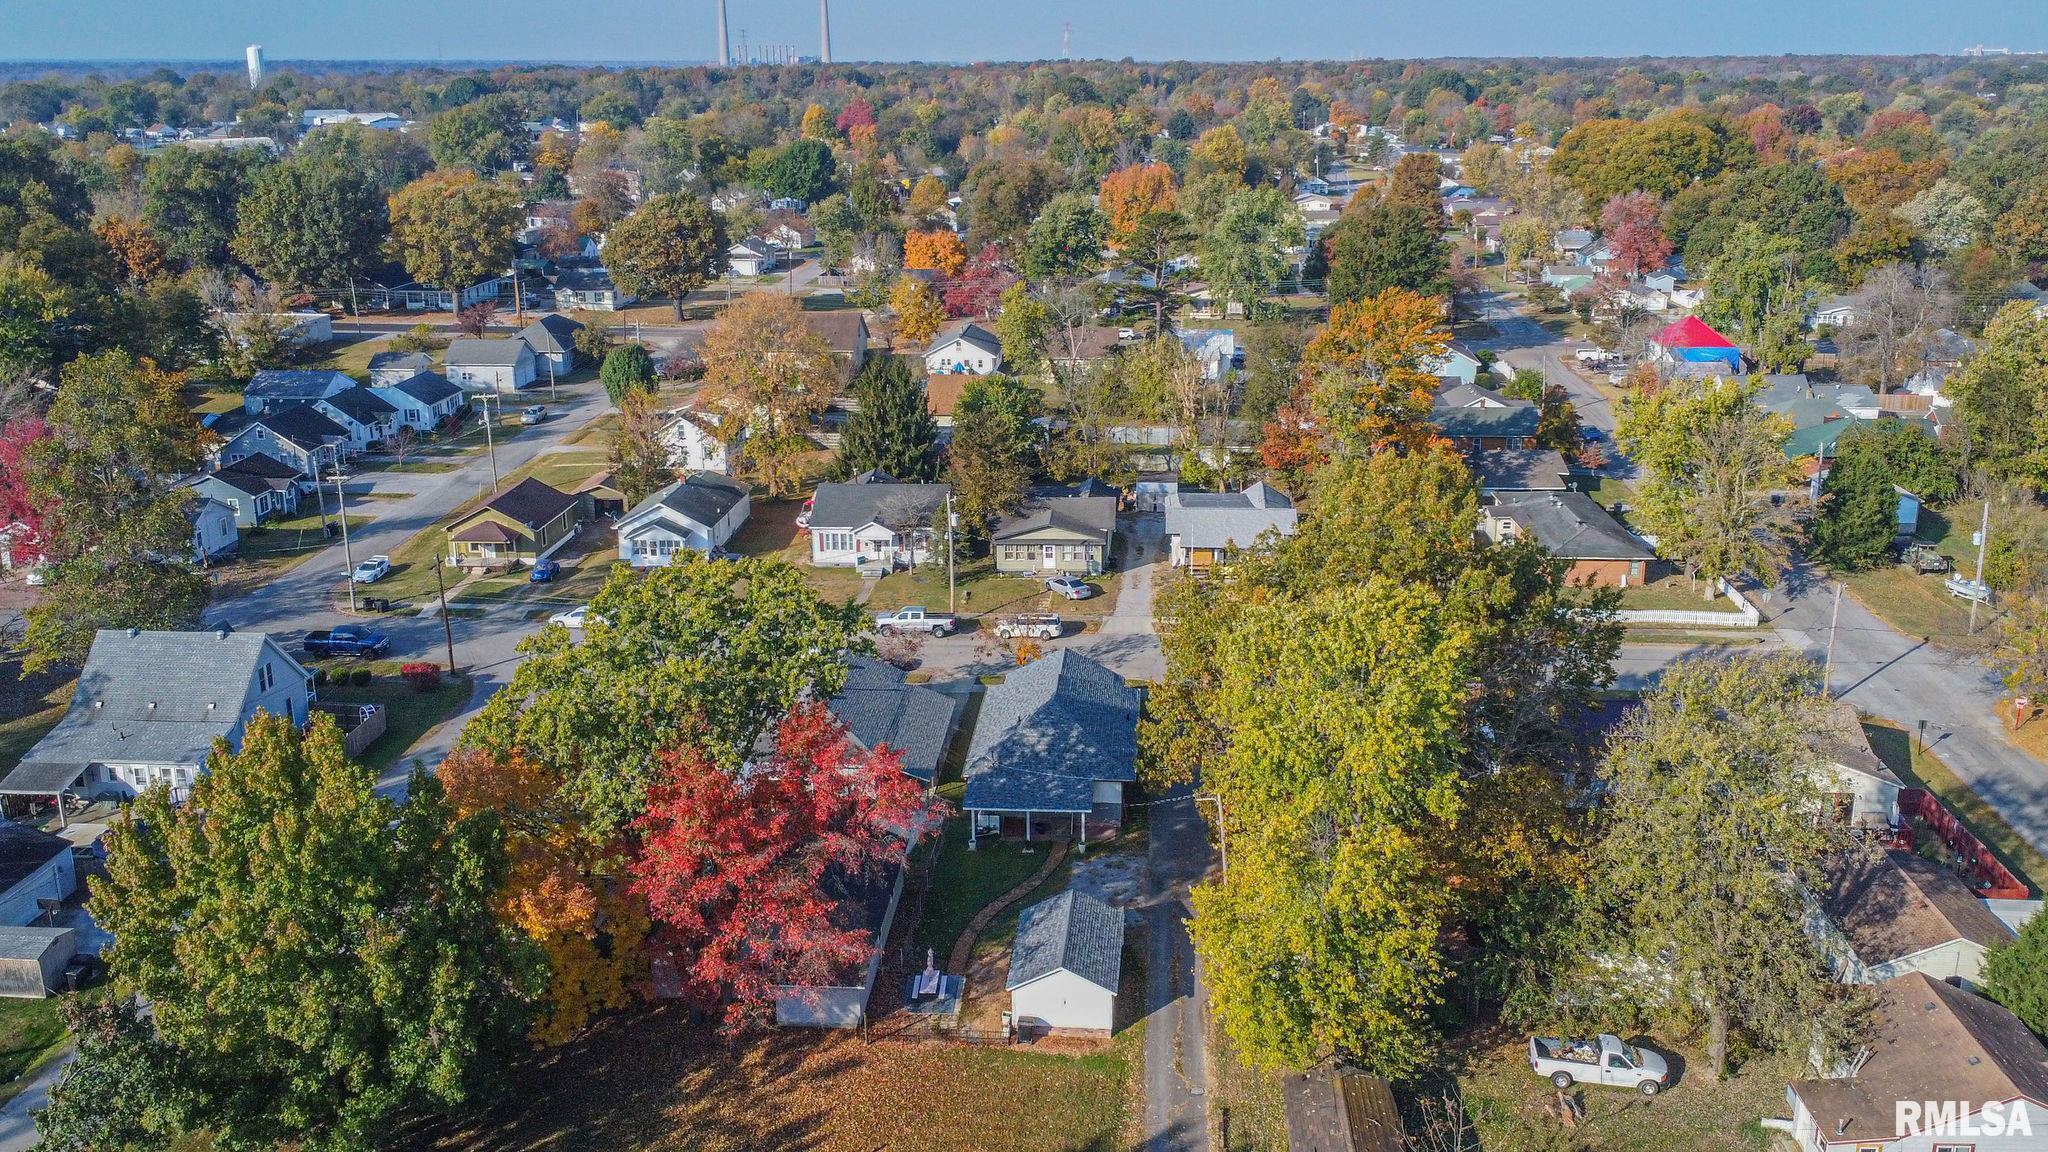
(939, 251)
(1128, 194)
(312, 225)
(1415, 182)
(119, 436)
(18, 502)
(768, 374)
(671, 245)
(1631, 226)
(382, 981)
(1366, 382)
(1947, 216)
(140, 253)
(452, 230)
(928, 199)
(993, 453)
(892, 430)
(640, 461)
(745, 872)
(1003, 196)
(1710, 827)
(919, 314)
(1896, 312)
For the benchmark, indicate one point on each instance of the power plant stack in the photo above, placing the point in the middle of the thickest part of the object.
(254, 56)
(724, 44)
(824, 33)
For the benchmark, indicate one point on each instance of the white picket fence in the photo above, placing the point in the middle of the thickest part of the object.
(1745, 616)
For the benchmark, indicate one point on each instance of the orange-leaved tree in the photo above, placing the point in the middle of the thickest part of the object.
(939, 250)
(1367, 383)
(1129, 193)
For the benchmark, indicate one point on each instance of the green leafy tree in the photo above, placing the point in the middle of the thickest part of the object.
(1023, 326)
(34, 184)
(627, 369)
(1712, 807)
(671, 245)
(120, 435)
(389, 160)
(1788, 202)
(639, 459)
(1242, 253)
(1754, 294)
(1947, 216)
(484, 136)
(1004, 195)
(1999, 395)
(452, 230)
(893, 430)
(120, 1091)
(2016, 975)
(715, 651)
(311, 225)
(1065, 242)
(1858, 513)
(1389, 245)
(1558, 426)
(381, 980)
(994, 451)
(804, 170)
(191, 198)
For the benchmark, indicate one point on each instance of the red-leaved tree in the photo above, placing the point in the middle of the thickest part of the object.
(744, 873)
(858, 113)
(1632, 226)
(978, 290)
(16, 505)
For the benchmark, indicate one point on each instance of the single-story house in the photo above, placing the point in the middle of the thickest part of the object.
(1455, 363)
(391, 290)
(1885, 915)
(296, 435)
(1926, 1041)
(274, 388)
(517, 526)
(1519, 470)
(694, 444)
(1570, 242)
(751, 257)
(1065, 963)
(942, 396)
(1569, 278)
(390, 367)
(1070, 535)
(1832, 312)
(34, 866)
(880, 524)
(583, 284)
(845, 335)
(33, 959)
(1203, 529)
(254, 489)
(1477, 419)
(1570, 526)
(421, 401)
(1058, 737)
(963, 347)
(213, 529)
(504, 364)
(149, 705)
(368, 417)
(1858, 787)
(880, 707)
(553, 340)
(1333, 1108)
(696, 514)
(1083, 348)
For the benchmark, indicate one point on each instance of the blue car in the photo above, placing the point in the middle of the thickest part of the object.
(544, 571)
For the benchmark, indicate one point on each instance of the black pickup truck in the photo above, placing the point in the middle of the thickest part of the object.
(347, 640)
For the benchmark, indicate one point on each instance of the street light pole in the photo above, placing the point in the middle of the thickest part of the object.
(347, 556)
(951, 520)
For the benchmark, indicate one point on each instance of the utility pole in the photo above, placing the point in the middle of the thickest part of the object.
(447, 628)
(518, 299)
(1222, 836)
(951, 520)
(551, 379)
(347, 556)
(1828, 668)
(490, 442)
(1983, 546)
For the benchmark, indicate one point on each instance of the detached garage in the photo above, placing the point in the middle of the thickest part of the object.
(32, 960)
(34, 866)
(1064, 965)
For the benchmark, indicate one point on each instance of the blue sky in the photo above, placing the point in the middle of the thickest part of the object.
(1006, 30)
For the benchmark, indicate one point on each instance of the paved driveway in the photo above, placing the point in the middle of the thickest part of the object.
(1176, 1052)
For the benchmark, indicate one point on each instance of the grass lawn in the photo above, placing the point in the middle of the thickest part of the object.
(1674, 594)
(1503, 1101)
(980, 589)
(350, 352)
(408, 715)
(1917, 604)
(1607, 491)
(272, 550)
(31, 1031)
(1900, 751)
(650, 1079)
(1249, 1108)
(30, 705)
(964, 882)
(205, 402)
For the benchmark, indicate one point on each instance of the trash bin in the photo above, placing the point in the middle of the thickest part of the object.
(333, 529)
(376, 603)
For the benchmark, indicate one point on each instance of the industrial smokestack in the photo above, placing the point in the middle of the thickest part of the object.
(824, 33)
(724, 44)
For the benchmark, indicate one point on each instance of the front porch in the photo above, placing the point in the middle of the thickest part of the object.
(1101, 822)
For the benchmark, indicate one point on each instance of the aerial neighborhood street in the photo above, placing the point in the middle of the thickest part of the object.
(1387, 605)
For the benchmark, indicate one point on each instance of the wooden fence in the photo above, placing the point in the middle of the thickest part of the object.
(360, 724)
(1986, 876)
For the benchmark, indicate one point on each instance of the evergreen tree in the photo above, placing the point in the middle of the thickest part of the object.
(1858, 513)
(893, 430)
(2017, 975)
(627, 368)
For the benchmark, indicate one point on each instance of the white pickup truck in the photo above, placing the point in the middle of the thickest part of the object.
(1602, 1060)
(914, 619)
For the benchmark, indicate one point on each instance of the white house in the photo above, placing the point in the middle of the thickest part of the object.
(696, 514)
(553, 340)
(1832, 312)
(1856, 785)
(149, 705)
(391, 367)
(1927, 1041)
(1895, 913)
(34, 866)
(420, 401)
(213, 529)
(751, 257)
(368, 417)
(505, 364)
(693, 442)
(877, 525)
(963, 347)
(1065, 964)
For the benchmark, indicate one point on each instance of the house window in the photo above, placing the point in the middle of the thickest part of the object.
(1955, 1148)
(835, 542)
(265, 677)
(1074, 553)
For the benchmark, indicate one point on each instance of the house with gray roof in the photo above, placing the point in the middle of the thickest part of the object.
(553, 340)
(1477, 419)
(254, 489)
(422, 400)
(585, 284)
(274, 388)
(879, 706)
(1066, 962)
(1203, 529)
(1057, 738)
(296, 435)
(963, 347)
(1059, 535)
(1519, 470)
(502, 364)
(1570, 526)
(698, 513)
(391, 367)
(149, 705)
(877, 525)
(367, 417)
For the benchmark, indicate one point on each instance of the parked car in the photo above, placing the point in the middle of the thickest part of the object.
(1127, 333)
(347, 640)
(1071, 587)
(1036, 625)
(1590, 356)
(532, 414)
(1922, 557)
(1603, 1060)
(576, 617)
(372, 570)
(1590, 434)
(543, 571)
(914, 619)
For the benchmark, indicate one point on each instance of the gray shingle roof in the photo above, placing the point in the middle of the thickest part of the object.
(851, 506)
(969, 332)
(878, 708)
(1569, 525)
(154, 697)
(428, 387)
(1517, 419)
(24, 850)
(502, 352)
(1519, 469)
(1092, 516)
(703, 497)
(297, 423)
(552, 333)
(1228, 519)
(1071, 932)
(1048, 732)
(294, 384)
(401, 362)
(361, 405)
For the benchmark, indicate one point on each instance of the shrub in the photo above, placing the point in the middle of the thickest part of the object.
(423, 677)
(319, 677)
(359, 677)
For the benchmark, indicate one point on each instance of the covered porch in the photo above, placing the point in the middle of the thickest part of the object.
(1095, 824)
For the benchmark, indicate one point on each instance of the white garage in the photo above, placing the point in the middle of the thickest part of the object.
(1064, 965)
(34, 866)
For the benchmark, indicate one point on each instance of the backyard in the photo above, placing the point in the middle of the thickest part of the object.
(1675, 593)
(408, 714)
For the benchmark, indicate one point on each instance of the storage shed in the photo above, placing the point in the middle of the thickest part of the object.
(32, 960)
(34, 866)
(1065, 964)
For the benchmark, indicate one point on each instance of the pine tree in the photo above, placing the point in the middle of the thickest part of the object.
(1858, 513)
(893, 430)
